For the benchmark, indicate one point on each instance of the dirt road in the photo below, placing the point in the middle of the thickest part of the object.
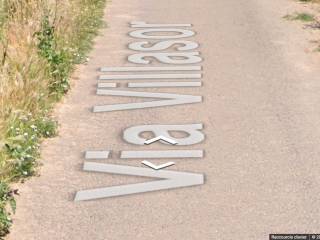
(261, 122)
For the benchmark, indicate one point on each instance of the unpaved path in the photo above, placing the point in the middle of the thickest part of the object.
(261, 116)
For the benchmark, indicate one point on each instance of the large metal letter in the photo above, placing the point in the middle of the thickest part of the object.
(171, 179)
(171, 99)
(133, 134)
(140, 46)
(166, 57)
(145, 33)
(162, 154)
(141, 24)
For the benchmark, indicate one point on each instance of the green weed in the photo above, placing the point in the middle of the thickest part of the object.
(59, 63)
(304, 17)
(6, 197)
(22, 145)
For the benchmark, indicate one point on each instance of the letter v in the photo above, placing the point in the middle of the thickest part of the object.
(171, 179)
(171, 99)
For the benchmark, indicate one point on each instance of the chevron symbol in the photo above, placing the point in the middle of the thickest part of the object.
(157, 167)
(160, 138)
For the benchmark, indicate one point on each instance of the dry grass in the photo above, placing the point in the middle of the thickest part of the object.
(40, 42)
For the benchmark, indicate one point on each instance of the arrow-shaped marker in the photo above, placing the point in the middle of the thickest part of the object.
(168, 140)
(157, 167)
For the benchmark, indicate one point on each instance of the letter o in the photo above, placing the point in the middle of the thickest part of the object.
(142, 33)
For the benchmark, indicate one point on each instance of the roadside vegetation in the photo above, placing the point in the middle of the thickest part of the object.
(316, 1)
(305, 17)
(41, 41)
(310, 17)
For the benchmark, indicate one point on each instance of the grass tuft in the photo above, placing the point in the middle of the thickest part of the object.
(304, 17)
